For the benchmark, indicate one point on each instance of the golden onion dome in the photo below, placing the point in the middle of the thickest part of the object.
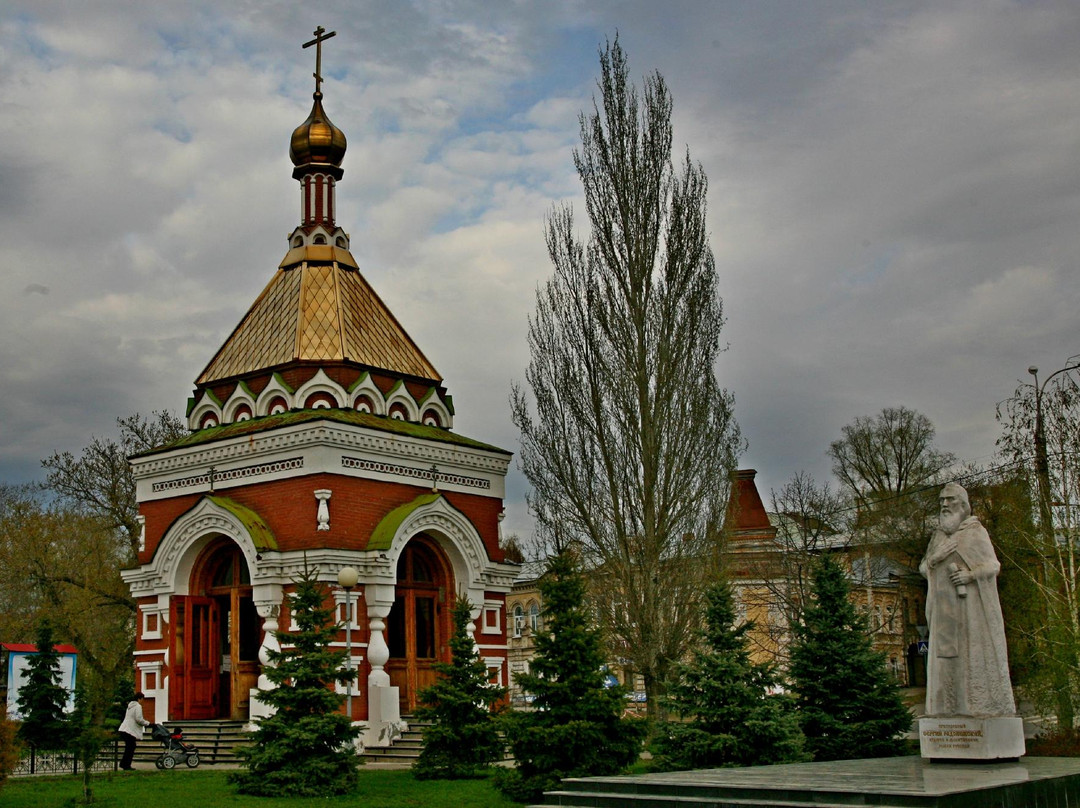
(317, 140)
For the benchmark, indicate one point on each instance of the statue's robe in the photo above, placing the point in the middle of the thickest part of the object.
(967, 671)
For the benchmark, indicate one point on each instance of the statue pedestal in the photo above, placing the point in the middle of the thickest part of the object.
(965, 737)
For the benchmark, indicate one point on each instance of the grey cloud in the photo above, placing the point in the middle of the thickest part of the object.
(894, 193)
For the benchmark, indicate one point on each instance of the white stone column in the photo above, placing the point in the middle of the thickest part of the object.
(270, 615)
(470, 627)
(384, 713)
(269, 611)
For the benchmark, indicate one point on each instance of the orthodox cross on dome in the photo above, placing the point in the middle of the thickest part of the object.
(317, 42)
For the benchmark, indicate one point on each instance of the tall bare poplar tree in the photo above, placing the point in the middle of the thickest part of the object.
(632, 440)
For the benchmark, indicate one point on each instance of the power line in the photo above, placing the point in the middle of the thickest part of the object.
(973, 475)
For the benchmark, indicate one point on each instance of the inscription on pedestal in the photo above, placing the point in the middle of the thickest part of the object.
(968, 738)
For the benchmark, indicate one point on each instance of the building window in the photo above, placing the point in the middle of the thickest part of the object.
(492, 621)
(151, 626)
(519, 620)
(534, 617)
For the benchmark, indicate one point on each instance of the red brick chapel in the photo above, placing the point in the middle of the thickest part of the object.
(320, 435)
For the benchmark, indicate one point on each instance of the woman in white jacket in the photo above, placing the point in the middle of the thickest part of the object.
(132, 729)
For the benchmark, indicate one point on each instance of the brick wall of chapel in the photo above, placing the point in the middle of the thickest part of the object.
(356, 507)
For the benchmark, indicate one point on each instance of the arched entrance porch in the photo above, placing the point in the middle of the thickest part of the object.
(216, 637)
(433, 531)
(418, 627)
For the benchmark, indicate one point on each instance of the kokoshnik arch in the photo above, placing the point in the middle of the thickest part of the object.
(320, 436)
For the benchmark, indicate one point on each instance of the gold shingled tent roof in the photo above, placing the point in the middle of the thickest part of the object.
(318, 312)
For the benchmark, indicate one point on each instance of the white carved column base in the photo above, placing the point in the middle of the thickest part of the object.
(268, 610)
(384, 712)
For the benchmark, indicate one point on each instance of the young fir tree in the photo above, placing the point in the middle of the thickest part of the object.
(575, 728)
(849, 705)
(41, 696)
(88, 731)
(730, 717)
(305, 748)
(464, 740)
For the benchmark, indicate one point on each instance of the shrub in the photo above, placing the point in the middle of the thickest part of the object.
(10, 748)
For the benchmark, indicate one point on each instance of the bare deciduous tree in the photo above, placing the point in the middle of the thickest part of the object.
(888, 465)
(99, 481)
(809, 518)
(633, 440)
(1053, 540)
(888, 455)
(61, 559)
(63, 565)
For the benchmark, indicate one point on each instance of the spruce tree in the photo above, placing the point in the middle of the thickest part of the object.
(849, 705)
(305, 749)
(464, 739)
(41, 696)
(575, 728)
(730, 717)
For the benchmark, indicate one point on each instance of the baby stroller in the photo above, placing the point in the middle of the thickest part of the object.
(176, 750)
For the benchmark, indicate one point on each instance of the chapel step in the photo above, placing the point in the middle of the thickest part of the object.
(404, 750)
(217, 741)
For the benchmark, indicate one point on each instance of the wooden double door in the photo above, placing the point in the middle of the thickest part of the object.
(215, 639)
(418, 627)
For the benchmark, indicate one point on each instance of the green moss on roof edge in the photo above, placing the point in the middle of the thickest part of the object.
(261, 535)
(383, 535)
(381, 423)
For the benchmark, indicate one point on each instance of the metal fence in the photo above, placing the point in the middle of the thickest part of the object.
(64, 762)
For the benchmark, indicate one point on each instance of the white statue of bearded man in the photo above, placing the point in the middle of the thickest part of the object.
(967, 665)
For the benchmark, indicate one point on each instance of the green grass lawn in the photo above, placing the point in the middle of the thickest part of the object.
(208, 789)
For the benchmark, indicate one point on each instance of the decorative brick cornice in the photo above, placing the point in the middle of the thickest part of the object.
(214, 476)
(319, 447)
(416, 473)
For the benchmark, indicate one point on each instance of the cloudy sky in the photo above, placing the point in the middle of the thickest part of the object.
(894, 196)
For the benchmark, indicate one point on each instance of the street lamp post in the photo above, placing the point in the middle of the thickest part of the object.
(347, 578)
(1067, 652)
(1042, 460)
